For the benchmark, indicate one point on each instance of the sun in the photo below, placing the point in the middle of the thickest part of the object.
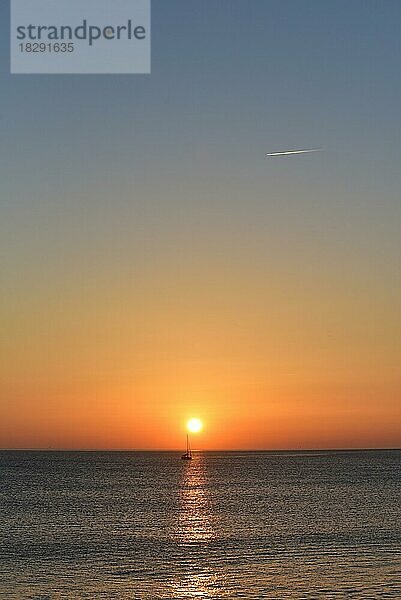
(194, 425)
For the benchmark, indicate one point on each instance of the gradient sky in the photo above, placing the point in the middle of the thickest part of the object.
(156, 266)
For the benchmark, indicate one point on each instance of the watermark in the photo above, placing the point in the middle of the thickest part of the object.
(80, 36)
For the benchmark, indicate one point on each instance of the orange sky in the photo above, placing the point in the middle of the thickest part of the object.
(302, 369)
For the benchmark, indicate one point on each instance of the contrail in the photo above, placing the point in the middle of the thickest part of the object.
(289, 152)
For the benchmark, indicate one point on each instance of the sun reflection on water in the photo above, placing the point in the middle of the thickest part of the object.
(205, 585)
(195, 523)
(195, 531)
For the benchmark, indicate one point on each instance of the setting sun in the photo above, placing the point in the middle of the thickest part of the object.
(194, 425)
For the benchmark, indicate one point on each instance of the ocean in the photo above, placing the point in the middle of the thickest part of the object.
(147, 525)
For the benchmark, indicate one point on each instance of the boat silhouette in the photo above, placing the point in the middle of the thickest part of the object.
(188, 453)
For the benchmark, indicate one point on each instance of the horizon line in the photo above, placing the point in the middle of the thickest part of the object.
(334, 449)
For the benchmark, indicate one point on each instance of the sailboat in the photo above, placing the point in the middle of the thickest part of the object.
(188, 453)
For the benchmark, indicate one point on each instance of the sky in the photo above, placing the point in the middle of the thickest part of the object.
(156, 266)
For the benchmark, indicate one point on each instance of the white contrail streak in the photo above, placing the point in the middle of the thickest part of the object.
(290, 152)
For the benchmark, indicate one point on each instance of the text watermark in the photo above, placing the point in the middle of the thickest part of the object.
(80, 36)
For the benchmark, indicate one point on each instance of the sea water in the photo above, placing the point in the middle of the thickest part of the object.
(146, 525)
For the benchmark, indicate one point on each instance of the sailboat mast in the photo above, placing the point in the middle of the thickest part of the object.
(188, 453)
